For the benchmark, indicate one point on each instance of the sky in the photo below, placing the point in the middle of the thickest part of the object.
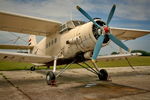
(133, 14)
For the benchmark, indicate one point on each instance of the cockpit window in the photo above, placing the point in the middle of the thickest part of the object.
(77, 23)
(66, 27)
(70, 25)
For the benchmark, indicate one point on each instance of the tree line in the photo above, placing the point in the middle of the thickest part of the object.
(144, 53)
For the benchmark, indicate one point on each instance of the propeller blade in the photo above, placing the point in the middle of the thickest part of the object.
(98, 47)
(118, 42)
(111, 14)
(87, 16)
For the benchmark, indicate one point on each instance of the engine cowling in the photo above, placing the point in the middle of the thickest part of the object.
(97, 32)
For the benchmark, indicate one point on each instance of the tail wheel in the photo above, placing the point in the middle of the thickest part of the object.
(32, 68)
(50, 78)
(103, 75)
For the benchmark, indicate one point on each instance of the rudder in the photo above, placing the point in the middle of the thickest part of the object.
(32, 40)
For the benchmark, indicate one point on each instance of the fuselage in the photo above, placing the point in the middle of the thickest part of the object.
(74, 38)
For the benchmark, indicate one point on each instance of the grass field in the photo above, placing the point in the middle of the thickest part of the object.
(135, 61)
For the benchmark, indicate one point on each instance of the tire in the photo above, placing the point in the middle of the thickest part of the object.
(32, 68)
(50, 78)
(103, 75)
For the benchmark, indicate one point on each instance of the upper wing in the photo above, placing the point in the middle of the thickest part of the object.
(27, 24)
(10, 46)
(128, 34)
(20, 57)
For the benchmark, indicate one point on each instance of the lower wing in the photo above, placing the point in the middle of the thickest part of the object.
(11, 46)
(117, 56)
(21, 57)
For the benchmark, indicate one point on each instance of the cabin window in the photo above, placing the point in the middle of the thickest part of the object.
(52, 42)
(55, 40)
(70, 25)
(49, 44)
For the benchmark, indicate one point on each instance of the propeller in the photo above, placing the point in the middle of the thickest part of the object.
(118, 42)
(100, 40)
(111, 14)
(87, 16)
(98, 46)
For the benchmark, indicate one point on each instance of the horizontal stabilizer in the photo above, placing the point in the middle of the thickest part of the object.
(20, 47)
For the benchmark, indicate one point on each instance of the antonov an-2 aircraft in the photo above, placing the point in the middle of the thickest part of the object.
(73, 42)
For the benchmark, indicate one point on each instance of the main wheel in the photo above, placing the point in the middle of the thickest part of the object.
(50, 78)
(103, 75)
(32, 68)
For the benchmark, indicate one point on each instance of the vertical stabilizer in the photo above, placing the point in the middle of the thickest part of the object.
(32, 40)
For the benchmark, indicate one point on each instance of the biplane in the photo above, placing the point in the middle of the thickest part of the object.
(73, 42)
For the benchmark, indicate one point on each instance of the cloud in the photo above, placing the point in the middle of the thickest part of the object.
(141, 43)
(62, 10)
(134, 9)
(51, 9)
(126, 9)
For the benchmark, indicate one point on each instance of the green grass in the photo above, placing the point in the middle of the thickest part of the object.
(5, 65)
(135, 61)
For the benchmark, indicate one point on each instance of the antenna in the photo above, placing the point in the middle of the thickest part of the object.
(71, 14)
(72, 6)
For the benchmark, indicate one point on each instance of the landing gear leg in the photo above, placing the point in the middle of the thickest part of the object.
(48, 67)
(102, 74)
(50, 76)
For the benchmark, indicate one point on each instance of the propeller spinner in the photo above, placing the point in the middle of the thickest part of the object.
(100, 40)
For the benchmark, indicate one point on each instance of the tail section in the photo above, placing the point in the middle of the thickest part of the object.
(32, 40)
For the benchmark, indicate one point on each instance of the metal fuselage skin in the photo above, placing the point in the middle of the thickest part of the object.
(69, 43)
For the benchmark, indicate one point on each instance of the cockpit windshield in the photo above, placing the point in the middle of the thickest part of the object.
(70, 25)
(77, 23)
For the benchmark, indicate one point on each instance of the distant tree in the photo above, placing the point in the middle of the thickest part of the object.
(144, 53)
(113, 53)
